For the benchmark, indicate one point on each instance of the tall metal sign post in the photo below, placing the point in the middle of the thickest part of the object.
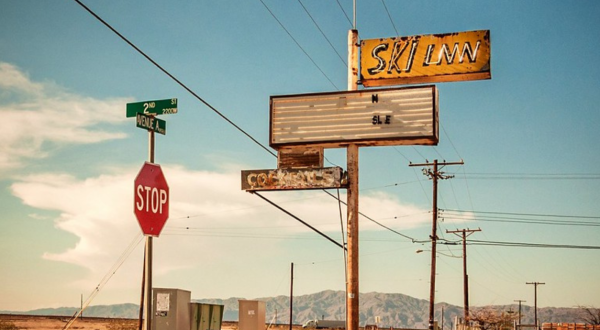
(151, 192)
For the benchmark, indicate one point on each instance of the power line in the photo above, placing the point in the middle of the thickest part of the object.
(531, 214)
(531, 176)
(300, 220)
(181, 231)
(462, 167)
(297, 44)
(527, 221)
(529, 245)
(524, 218)
(173, 77)
(390, 17)
(112, 271)
(343, 11)
(323, 34)
(374, 221)
(451, 143)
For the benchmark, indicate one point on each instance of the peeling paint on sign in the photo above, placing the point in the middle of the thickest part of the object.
(287, 179)
(426, 58)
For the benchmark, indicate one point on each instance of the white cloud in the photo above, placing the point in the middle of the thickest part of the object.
(36, 116)
(13, 79)
(208, 212)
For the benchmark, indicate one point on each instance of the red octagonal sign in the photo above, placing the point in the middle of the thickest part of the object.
(151, 199)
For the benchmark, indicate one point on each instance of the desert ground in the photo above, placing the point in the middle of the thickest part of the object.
(34, 322)
(14, 322)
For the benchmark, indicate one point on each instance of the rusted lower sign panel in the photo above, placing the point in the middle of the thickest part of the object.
(426, 58)
(377, 117)
(288, 179)
(300, 157)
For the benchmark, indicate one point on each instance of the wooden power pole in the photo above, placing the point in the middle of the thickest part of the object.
(535, 285)
(465, 233)
(291, 295)
(435, 175)
(352, 293)
(520, 301)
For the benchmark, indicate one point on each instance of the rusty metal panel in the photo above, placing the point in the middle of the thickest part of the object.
(378, 117)
(300, 157)
(293, 179)
(426, 58)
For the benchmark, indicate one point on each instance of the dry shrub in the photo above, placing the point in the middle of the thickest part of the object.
(6, 325)
(122, 325)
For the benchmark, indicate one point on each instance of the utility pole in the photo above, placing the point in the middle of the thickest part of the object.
(442, 317)
(465, 234)
(352, 290)
(435, 175)
(291, 295)
(535, 285)
(520, 301)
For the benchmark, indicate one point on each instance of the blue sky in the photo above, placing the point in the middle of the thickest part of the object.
(68, 154)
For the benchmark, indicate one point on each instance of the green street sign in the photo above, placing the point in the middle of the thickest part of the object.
(157, 107)
(151, 123)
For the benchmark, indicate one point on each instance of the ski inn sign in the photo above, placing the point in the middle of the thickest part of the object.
(425, 58)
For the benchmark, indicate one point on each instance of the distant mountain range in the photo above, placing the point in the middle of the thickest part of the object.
(113, 311)
(392, 309)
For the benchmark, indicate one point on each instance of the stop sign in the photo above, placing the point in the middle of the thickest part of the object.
(151, 199)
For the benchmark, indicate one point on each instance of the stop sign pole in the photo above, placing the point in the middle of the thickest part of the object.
(147, 281)
(151, 199)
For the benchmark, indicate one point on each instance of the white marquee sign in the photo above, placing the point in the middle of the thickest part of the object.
(376, 117)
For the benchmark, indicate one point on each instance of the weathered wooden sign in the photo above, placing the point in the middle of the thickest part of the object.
(293, 178)
(426, 58)
(300, 157)
(378, 117)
